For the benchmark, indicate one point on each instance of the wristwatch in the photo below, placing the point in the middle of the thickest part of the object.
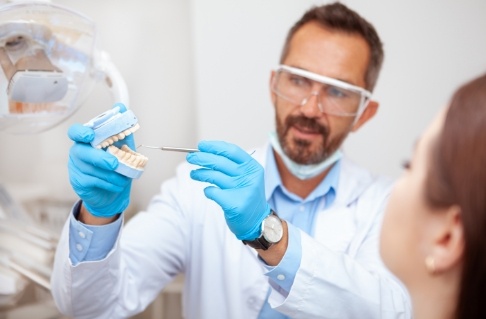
(272, 233)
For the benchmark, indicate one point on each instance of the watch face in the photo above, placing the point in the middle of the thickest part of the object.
(272, 229)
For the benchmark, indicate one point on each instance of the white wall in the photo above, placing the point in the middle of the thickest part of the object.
(200, 69)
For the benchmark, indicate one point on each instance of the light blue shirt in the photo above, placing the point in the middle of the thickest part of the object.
(299, 214)
(99, 239)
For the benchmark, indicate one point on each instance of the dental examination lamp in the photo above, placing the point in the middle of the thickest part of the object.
(50, 64)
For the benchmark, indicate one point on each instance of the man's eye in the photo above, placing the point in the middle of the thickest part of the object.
(298, 80)
(336, 92)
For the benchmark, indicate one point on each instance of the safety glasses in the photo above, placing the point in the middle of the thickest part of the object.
(333, 96)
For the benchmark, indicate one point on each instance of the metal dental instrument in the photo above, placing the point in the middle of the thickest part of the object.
(176, 149)
(169, 148)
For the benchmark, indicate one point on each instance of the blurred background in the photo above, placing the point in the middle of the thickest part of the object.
(200, 70)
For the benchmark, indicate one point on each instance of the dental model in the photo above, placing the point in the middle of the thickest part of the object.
(113, 126)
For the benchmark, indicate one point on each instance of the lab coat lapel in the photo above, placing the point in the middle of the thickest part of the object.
(336, 225)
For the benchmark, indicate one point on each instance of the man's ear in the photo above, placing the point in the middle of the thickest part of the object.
(368, 113)
(272, 95)
(448, 241)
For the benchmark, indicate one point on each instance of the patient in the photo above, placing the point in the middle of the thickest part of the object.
(434, 230)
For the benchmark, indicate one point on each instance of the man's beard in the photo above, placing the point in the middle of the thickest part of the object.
(299, 150)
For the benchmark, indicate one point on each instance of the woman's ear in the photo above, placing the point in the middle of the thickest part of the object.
(368, 113)
(448, 241)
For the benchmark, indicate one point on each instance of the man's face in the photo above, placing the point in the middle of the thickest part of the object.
(307, 135)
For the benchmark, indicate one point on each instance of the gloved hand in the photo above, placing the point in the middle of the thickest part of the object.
(240, 185)
(104, 192)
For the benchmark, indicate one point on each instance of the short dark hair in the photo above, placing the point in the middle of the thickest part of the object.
(337, 17)
(457, 176)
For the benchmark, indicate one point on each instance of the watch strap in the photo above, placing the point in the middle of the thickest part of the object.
(260, 242)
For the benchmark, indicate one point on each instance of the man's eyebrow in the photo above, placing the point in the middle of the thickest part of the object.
(339, 79)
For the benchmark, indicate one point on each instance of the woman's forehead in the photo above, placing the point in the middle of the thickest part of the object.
(431, 132)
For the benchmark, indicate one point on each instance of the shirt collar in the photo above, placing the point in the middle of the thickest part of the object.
(328, 187)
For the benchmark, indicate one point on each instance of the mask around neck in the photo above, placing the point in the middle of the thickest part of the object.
(303, 172)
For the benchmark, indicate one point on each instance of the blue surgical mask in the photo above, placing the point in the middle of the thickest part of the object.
(303, 171)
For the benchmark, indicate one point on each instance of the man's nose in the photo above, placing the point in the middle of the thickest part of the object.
(311, 105)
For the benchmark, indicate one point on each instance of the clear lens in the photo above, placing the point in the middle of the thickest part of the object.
(332, 99)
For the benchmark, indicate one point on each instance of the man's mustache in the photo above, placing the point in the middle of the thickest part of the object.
(307, 123)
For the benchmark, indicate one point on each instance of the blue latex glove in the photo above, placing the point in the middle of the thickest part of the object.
(240, 185)
(104, 192)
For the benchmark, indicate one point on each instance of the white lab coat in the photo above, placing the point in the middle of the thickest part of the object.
(340, 275)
